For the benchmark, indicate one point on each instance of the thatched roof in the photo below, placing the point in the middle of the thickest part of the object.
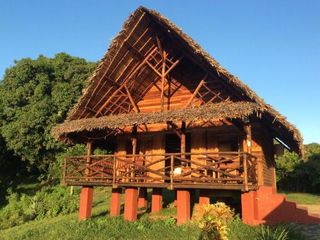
(282, 128)
(218, 111)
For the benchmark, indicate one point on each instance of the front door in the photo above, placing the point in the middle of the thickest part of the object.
(173, 145)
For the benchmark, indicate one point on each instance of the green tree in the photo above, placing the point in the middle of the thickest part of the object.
(34, 96)
(297, 174)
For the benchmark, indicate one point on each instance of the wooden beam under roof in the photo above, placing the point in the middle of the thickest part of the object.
(196, 90)
(115, 56)
(163, 77)
(135, 107)
(122, 84)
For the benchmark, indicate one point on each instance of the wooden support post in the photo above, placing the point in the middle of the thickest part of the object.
(204, 197)
(248, 149)
(115, 202)
(143, 198)
(183, 141)
(171, 171)
(134, 142)
(245, 173)
(86, 198)
(156, 204)
(131, 204)
(247, 129)
(183, 206)
(88, 159)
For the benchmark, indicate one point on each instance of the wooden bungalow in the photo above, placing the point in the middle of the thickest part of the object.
(171, 117)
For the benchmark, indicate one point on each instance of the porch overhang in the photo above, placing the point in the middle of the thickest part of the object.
(218, 111)
(69, 131)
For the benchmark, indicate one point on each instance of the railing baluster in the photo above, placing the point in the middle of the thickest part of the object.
(213, 168)
(245, 173)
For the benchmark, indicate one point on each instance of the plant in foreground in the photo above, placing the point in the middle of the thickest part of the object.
(268, 233)
(214, 221)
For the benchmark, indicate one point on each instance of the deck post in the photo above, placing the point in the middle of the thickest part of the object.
(183, 142)
(131, 204)
(204, 198)
(86, 198)
(115, 202)
(183, 206)
(143, 200)
(86, 195)
(88, 157)
(248, 149)
(134, 142)
(156, 204)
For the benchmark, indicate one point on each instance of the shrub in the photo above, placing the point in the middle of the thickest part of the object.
(214, 219)
(301, 175)
(47, 202)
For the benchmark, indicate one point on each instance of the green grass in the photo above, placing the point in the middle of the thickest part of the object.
(148, 226)
(101, 226)
(303, 198)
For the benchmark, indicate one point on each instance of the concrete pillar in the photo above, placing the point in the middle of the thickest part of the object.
(143, 198)
(115, 202)
(204, 197)
(248, 207)
(86, 198)
(183, 206)
(156, 204)
(131, 204)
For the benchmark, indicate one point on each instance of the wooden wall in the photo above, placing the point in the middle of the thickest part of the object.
(211, 140)
(180, 95)
(263, 149)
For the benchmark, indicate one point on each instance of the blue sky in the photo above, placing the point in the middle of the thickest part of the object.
(273, 46)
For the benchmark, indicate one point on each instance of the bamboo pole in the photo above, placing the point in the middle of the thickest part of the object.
(245, 173)
(171, 170)
(183, 140)
(248, 141)
(134, 147)
(163, 77)
(88, 157)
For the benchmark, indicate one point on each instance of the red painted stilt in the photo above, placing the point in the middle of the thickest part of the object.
(131, 204)
(183, 206)
(143, 200)
(115, 202)
(156, 204)
(204, 197)
(86, 198)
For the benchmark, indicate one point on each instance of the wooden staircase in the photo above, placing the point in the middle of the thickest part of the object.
(266, 206)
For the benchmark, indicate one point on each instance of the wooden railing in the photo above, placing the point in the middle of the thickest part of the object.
(222, 170)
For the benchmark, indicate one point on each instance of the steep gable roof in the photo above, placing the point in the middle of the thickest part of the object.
(103, 82)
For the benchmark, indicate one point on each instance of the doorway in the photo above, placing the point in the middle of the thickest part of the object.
(173, 145)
